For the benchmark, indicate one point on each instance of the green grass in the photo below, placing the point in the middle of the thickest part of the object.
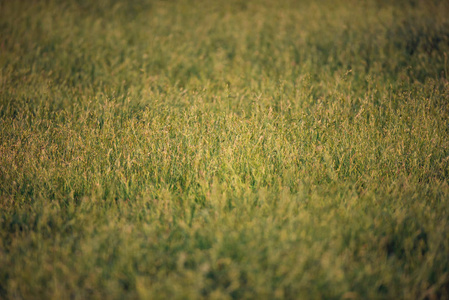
(224, 149)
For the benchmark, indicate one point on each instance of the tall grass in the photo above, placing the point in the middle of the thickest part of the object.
(224, 149)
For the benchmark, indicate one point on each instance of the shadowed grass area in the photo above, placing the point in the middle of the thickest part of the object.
(224, 149)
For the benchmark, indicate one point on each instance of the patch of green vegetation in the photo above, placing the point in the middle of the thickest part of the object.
(224, 149)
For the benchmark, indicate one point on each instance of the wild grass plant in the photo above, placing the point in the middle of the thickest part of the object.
(224, 149)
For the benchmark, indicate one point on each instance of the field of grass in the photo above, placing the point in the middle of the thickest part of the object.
(232, 149)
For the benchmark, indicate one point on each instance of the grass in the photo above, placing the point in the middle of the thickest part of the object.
(224, 149)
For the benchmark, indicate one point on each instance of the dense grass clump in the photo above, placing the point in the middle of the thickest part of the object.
(224, 149)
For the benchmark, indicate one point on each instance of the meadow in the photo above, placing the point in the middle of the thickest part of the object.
(232, 149)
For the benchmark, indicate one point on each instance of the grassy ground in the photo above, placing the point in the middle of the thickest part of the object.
(224, 149)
